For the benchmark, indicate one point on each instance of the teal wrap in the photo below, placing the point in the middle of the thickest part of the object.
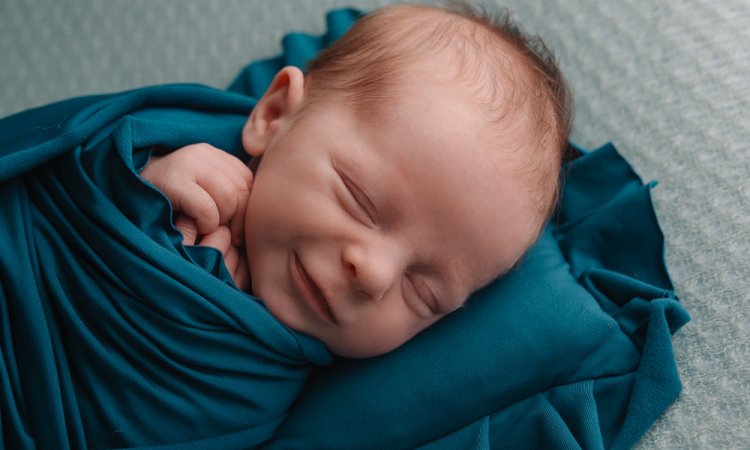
(113, 334)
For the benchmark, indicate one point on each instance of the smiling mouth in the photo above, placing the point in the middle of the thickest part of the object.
(311, 292)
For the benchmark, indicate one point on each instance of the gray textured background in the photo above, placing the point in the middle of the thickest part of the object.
(667, 81)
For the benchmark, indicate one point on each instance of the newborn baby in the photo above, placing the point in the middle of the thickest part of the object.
(415, 162)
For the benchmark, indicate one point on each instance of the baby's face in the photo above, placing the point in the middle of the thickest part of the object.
(362, 233)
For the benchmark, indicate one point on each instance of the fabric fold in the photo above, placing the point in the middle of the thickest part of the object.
(114, 334)
(585, 306)
(570, 350)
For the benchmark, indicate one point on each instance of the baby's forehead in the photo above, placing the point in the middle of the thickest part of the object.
(485, 153)
(489, 66)
(465, 50)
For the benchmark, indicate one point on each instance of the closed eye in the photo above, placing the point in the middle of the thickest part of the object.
(362, 200)
(424, 293)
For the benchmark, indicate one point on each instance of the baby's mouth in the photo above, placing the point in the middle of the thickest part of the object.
(311, 292)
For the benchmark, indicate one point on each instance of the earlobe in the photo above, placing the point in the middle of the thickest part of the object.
(280, 102)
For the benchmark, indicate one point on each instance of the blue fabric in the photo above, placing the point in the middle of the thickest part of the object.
(571, 350)
(114, 334)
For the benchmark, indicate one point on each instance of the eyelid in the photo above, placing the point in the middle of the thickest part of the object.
(430, 299)
(360, 197)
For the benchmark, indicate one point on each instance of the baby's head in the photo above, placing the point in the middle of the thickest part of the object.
(416, 162)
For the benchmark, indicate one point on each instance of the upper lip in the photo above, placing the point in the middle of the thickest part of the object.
(316, 291)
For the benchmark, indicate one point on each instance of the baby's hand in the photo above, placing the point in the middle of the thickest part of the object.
(220, 239)
(208, 186)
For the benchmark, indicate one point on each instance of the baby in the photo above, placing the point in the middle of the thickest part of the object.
(415, 162)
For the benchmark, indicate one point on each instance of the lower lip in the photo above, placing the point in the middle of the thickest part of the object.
(307, 291)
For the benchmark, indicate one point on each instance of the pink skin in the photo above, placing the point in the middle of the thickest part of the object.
(359, 232)
(208, 190)
(362, 233)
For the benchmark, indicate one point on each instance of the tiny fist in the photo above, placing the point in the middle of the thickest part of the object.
(188, 228)
(220, 239)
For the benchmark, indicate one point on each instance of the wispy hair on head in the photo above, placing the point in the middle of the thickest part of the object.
(507, 71)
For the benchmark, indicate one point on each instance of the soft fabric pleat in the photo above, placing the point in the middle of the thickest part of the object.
(114, 334)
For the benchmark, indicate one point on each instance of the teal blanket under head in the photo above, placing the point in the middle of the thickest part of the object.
(113, 334)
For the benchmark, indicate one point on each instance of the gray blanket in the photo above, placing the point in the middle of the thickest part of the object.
(667, 81)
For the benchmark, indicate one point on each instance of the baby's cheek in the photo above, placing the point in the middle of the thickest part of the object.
(378, 335)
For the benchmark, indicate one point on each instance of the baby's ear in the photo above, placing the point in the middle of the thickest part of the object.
(279, 103)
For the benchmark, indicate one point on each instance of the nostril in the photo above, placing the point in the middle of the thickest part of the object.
(348, 258)
(358, 291)
(351, 269)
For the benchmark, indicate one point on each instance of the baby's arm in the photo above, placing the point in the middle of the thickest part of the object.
(209, 190)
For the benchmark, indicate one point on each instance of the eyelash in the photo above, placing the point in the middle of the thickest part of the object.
(352, 191)
(427, 302)
(350, 187)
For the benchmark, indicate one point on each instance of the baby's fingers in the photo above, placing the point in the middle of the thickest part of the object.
(242, 272)
(234, 257)
(220, 239)
(231, 258)
(236, 263)
(194, 201)
(231, 190)
(188, 228)
(226, 193)
(237, 223)
(244, 181)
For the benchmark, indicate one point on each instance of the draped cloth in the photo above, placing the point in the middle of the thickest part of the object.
(114, 334)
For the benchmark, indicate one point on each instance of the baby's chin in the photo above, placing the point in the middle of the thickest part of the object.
(359, 348)
(342, 344)
(336, 339)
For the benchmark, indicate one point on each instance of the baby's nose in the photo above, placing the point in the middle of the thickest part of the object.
(372, 269)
